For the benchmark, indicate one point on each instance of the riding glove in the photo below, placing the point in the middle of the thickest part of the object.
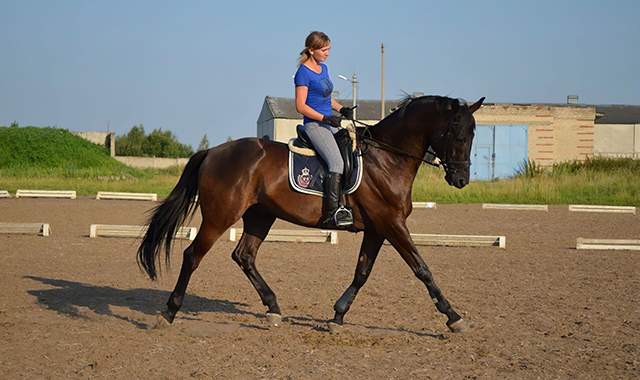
(332, 120)
(347, 112)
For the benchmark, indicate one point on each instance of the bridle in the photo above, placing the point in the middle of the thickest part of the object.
(449, 135)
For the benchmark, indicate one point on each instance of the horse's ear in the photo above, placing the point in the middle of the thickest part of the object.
(475, 106)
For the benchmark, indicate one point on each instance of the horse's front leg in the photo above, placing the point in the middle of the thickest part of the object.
(399, 236)
(371, 243)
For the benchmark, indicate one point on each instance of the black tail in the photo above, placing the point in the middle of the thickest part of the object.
(169, 215)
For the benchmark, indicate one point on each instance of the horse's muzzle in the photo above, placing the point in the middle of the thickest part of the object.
(457, 178)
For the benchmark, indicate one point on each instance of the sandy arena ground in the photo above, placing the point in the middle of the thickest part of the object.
(76, 307)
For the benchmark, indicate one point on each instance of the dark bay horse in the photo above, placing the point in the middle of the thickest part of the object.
(247, 179)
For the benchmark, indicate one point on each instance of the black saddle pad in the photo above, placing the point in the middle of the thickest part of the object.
(306, 174)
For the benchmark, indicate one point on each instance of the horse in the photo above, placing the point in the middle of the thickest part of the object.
(248, 178)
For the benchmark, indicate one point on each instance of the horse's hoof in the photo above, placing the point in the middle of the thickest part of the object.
(274, 319)
(458, 326)
(335, 328)
(161, 322)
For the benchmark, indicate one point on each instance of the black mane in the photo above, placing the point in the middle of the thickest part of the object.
(442, 102)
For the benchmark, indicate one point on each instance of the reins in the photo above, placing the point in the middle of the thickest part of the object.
(365, 136)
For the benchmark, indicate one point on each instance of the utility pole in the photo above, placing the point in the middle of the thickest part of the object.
(381, 81)
(354, 89)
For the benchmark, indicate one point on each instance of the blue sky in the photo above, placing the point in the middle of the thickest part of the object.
(197, 67)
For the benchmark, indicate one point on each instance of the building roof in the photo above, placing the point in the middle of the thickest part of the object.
(284, 108)
(617, 114)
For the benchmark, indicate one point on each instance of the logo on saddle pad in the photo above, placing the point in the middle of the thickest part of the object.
(304, 179)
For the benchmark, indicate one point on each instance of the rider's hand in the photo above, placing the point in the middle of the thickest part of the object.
(347, 112)
(332, 120)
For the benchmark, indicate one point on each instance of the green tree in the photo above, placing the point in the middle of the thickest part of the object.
(158, 143)
(204, 143)
(132, 143)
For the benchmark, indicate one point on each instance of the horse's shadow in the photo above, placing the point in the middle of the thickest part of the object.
(67, 297)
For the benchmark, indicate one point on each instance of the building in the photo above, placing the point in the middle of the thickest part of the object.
(507, 135)
(617, 131)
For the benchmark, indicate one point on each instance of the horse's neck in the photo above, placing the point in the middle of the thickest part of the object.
(393, 131)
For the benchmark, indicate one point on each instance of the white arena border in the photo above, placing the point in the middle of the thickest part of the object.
(608, 244)
(424, 204)
(4, 194)
(293, 236)
(459, 240)
(70, 194)
(596, 208)
(520, 207)
(42, 229)
(127, 196)
(131, 231)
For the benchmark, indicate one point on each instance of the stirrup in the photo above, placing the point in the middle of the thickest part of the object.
(342, 217)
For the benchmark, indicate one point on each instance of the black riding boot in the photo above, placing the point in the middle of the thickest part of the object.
(334, 214)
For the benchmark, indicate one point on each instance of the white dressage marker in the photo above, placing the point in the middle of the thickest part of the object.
(424, 204)
(522, 207)
(25, 228)
(115, 230)
(608, 244)
(594, 208)
(70, 194)
(296, 236)
(127, 196)
(459, 240)
(4, 194)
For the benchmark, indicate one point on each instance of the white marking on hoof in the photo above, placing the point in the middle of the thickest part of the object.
(335, 328)
(274, 319)
(458, 326)
(161, 323)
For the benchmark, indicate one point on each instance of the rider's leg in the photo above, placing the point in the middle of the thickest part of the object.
(326, 146)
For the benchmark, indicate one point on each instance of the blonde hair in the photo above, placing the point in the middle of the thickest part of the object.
(315, 40)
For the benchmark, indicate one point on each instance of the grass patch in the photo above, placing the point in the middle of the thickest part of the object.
(603, 181)
(55, 159)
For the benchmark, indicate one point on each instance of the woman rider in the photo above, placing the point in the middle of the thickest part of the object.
(314, 102)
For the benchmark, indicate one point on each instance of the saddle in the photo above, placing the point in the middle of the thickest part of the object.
(307, 170)
(344, 138)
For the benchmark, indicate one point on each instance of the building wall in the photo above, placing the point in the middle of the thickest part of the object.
(555, 133)
(265, 122)
(106, 139)
(617, 140)
(151, 162)
(285, 129)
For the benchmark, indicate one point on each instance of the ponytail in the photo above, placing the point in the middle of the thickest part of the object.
(304, 55)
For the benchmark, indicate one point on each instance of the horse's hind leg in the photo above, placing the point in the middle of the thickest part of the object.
(257, 223)
(192, 256)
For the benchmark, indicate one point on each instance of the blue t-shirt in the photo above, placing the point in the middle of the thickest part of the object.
(320, 88)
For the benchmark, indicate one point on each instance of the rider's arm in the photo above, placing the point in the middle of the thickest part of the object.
(302, 107)
(335, 105)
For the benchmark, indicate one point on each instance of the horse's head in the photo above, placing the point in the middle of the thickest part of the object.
(451, 140)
